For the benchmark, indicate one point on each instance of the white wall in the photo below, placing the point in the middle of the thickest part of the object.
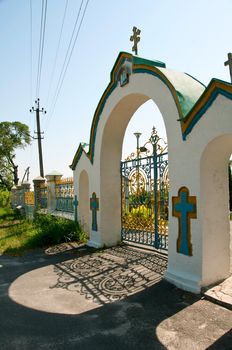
(84, 204)
(192, 163)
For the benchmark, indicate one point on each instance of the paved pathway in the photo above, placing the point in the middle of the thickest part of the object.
(113, 299)
(88, 282)
(222, 292)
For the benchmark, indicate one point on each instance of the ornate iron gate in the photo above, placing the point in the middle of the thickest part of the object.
(144, 193)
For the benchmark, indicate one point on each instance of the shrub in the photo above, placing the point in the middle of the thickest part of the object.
(54, 230)
(8, 214)
(5, 198)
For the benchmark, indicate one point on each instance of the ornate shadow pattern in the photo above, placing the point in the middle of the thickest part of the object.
(112, 274)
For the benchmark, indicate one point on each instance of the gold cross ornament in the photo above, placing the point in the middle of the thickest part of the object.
(135, 38)
(229, 63)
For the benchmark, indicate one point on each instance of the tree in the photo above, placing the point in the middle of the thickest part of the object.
(13, 135)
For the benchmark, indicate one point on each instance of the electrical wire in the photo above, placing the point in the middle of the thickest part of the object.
(32, 120)
(68, 58)
(41, 60)
(57, 51)
(67, 51)
(30, 51)
(41, 44)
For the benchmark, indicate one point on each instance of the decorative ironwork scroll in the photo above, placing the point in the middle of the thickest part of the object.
(144, 193)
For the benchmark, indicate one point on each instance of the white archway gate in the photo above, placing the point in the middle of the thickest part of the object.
(144, 194)
(190, 112)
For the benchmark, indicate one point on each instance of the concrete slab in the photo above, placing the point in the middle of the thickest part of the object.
(79, 285)
(114, 299)
(221, 293)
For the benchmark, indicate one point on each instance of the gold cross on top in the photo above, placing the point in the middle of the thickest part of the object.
(135, 38)
(229, 63)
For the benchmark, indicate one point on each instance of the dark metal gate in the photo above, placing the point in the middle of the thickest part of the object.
(144, 193)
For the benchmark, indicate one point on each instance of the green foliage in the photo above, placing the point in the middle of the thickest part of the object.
(13, 229)
(143, 198)
(138, 217)
(7, 214)
(5, 197)
(142, 211)
(142, 217)
(18, 234)
(54, 230)
(12, 136)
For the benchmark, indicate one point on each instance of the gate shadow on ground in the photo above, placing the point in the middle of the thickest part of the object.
(130, 322)
(112, 274)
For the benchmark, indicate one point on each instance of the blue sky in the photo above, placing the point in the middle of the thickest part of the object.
(188, 36)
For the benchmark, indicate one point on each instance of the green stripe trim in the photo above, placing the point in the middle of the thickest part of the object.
(142, 61)
(159, 75)
(188, 118)
(215, 88)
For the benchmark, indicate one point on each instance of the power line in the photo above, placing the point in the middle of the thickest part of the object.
(41, 44)
(41, 60)
(67, 51)
(31, 59)
(30, 51)
(67, 59)
(57, 51)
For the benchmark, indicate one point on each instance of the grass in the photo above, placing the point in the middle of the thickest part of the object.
(8, 215)
(18, 235)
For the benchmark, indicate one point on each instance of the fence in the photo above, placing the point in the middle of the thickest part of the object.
(55, 196)
(64, 190)
(29, 204)
(43, 196)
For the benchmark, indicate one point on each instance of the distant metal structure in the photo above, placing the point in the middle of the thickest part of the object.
(26, 174)
(144, 194)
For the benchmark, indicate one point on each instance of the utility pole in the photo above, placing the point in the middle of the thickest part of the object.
(38, 132)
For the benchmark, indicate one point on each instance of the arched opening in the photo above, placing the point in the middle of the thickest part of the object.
(143, 120)
(144, 180)
(214, 210)
(84, 200)
(111, 154)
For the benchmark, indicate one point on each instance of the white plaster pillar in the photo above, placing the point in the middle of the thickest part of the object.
(25, 187)
(51, 182)
(13, 197)
(38, 182)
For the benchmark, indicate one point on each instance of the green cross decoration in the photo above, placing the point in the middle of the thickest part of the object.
(75, 204)
(94, 206)
(184, 208)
